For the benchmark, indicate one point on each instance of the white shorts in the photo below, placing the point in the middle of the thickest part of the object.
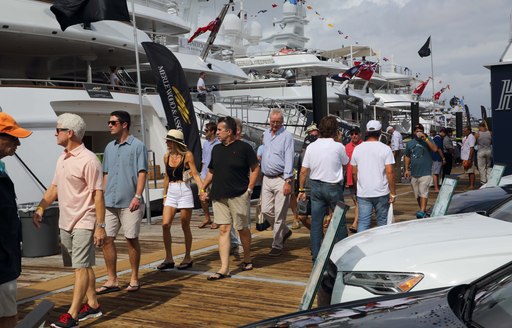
(421, 185)
(8, 307)
(179, 195)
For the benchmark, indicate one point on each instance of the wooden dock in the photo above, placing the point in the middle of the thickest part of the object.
(186, 298)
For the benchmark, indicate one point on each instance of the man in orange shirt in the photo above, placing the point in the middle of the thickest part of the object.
(78, 183)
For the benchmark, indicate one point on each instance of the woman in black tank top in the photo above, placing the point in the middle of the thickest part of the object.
(178, 196)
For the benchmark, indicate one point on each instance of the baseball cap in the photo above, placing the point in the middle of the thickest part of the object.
(389, 128)
(312, 127)
(9, 126)
(373, 125)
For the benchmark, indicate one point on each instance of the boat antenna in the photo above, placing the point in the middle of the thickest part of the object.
(30, 171)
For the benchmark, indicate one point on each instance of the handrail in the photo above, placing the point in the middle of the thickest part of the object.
(61, 84)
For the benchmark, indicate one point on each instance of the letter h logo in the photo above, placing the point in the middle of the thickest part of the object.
(506, 95)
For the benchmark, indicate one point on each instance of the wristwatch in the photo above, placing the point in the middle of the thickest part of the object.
(101, 225)
(288, 181)
(139, 197)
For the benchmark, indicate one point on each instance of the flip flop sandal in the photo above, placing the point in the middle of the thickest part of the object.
(218, 276)
(107, 289)
(184, 266)
(165, 266)
(132, 288)
(246, 266)
(204, 224)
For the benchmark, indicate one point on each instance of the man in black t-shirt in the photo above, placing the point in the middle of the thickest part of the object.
(231, 191)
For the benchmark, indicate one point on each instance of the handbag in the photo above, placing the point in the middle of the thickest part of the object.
(262, 223)
(187, 175)
(467, 164)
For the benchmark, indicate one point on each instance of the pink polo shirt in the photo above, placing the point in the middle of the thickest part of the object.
(77, 175)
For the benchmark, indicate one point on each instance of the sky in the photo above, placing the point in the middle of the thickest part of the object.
(465, 34)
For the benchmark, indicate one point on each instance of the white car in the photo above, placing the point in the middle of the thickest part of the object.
(423, 254)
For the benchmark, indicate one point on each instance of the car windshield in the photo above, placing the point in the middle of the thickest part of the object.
(493, 304)
(481, 200)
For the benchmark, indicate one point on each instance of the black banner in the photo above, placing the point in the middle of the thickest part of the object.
(468, 116)
(71, 12)
(173, 89)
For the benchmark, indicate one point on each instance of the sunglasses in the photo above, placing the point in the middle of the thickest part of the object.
(113, 122)
(8, 136)
(59, 130)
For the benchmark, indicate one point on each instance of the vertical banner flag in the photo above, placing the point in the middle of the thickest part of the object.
(468, 117)
(173, 89)
(425, 50)
(71, 12)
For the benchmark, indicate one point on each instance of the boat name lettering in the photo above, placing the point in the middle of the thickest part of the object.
(170, 98)
(506, 95)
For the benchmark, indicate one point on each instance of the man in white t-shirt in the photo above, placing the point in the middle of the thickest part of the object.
(323, 161)
(372, 173)
(396, 148)
(466, 154)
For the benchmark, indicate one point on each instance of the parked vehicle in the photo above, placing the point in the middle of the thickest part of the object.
(484, 303)
(424, 254)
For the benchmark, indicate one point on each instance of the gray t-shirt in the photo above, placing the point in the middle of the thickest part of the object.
(484, 140)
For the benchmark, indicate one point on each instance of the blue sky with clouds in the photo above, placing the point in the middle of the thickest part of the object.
(466, 35)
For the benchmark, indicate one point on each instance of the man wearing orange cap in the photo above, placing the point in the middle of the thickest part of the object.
(10, 232)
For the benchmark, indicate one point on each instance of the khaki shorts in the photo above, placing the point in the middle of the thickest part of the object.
(117, 217)
(79, 246)
(470, 170)
(421, 185)
(232, 211)
(8, 307)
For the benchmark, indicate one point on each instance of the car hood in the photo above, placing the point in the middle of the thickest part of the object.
(422, 245)
(424, 309)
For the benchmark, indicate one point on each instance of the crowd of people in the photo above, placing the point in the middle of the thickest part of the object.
(96, 199)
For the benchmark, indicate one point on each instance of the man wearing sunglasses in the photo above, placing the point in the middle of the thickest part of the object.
(125, 165)
(10, 231)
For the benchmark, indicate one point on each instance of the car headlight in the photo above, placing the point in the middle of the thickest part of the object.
(383, 283)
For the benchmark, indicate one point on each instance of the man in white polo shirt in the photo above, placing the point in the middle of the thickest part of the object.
(372, 173)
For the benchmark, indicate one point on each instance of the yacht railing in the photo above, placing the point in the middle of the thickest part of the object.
(244, 107)
(64, 84)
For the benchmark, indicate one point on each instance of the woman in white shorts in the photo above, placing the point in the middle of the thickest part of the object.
(178, 196)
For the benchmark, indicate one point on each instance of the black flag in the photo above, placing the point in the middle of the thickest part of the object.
(468, 116)
(173, 89)
(71, 12)
(425, 50)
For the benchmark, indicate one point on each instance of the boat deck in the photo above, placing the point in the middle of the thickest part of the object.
(185, 298)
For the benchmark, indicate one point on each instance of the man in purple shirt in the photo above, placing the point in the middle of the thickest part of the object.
(277, 169)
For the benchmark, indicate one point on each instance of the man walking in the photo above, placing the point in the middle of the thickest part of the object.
(231, 190)
(323, 162)
(372, 172)
(467, 153)
(418, 154)
(10, 224)
(277, 169)
(396, 148)
(210, 131)
(125, 165)
(78, 184)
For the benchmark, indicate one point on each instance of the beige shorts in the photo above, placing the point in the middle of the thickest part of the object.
(232, 211)
(79, 246)
(8, 307)
(117, 217)
(470, 170)
(421, 185)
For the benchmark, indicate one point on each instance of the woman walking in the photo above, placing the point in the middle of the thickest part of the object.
(179, 166)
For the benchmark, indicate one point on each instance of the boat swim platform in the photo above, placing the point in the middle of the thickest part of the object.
(184, 298)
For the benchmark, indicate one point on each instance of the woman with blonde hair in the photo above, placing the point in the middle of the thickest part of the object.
(179, 164)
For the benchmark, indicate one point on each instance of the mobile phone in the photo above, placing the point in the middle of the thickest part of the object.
(302, 206)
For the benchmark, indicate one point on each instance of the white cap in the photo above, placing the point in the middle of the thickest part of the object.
(389, 128)
(373, 125)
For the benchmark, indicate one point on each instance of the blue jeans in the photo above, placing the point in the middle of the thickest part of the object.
(323, 196)
(365, 205)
